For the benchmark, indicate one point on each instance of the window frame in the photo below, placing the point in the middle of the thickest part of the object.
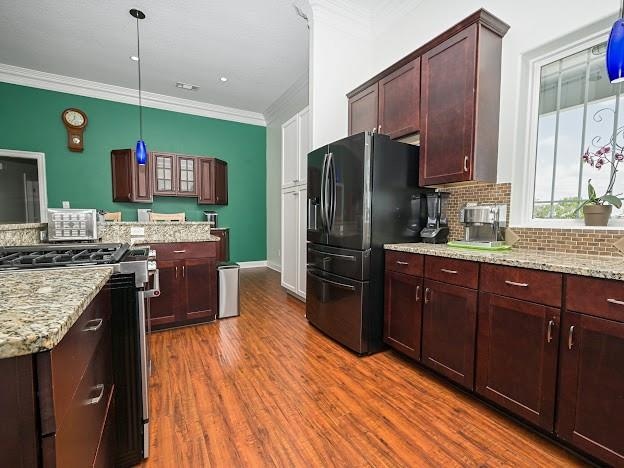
(523, 179)
(41, 175)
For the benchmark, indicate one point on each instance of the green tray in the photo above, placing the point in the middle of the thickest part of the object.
(499, 248)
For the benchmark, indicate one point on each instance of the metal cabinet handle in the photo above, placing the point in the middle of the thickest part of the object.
(430, 292)
(520, 285)
(183, 271)
(465, 163)
(615, 301)
(374, 129)
(96, 400)
(176, 274)
(549, 336)
(98, 323)
(179, 251)
(417, 293)
(452, 272)
(571, 337)
(379, 129)
(402, 263)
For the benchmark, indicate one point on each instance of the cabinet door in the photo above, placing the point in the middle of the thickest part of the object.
(165, 308)
(399, 101)
(363, 108)
(403, 312)
(302, 241)
(121, 171)
(199, 275)
(142, 181)
(223, 253)
(305, 144)
(449, 331)
(447, 109)
(186, 176)
(517, 356)
(290, 152)
(206, 181)
(591, 386)
(164, 174)
(220, 182)
(290, 234)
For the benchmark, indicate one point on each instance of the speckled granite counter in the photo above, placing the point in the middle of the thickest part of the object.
(586, 265)
(21, 234)
(157, 232)
(38, 307)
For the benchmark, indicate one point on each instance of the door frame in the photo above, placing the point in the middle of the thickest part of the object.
(41, 176)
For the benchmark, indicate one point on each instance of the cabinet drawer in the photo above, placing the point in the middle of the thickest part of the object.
(66, 363)
(597, 297)
(543, 287)
(449, 270)
(403, 262)
(77, 439)
(181, 250)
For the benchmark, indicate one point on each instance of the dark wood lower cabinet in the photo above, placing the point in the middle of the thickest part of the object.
(164, 308)
(403, 312)
(449, 331)
(200, 280)
(591, 386)
(517, 357)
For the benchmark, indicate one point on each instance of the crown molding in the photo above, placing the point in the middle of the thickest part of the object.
(93, 89)
(350, 16)
(290, 95)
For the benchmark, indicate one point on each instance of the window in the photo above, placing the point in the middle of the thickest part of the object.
(578, 109)
(22, 187)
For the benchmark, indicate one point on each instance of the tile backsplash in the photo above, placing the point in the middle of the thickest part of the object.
(583, 241)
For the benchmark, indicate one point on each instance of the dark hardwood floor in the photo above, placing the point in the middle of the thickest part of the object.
(267, 389)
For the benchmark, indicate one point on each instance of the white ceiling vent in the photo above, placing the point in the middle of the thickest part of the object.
(187, 86)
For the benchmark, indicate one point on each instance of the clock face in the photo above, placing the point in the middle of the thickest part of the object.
(73, 118)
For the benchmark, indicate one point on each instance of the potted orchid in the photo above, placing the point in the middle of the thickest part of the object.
(597, 209)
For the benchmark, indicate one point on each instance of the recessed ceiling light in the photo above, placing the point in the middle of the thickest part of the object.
(134, 58)
(223, 79)
(187, 86)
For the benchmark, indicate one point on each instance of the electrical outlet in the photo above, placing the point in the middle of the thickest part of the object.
(66, 204)
(137, 231)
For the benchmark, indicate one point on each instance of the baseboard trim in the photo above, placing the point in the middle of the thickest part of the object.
(274, 266)
(254, 264)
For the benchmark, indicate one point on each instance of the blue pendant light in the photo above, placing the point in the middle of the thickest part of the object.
(141, 149)
(615, 50)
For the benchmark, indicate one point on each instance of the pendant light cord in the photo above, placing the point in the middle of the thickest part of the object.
(139, 66)
(622, 10)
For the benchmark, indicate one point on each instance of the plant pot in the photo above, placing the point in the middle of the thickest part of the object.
(597, 215)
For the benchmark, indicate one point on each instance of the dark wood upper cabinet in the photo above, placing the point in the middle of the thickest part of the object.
(186, 176)
(165, 180)
(403, 312)
(591, 386)
(132, 182)
(449, 331)
(399, 101)
(213, 184)
(517, 351)
(363, 109)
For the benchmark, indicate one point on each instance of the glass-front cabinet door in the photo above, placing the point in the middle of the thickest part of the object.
(187, 176)
(164, 174)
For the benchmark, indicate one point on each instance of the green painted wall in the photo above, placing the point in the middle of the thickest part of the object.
(30, 120)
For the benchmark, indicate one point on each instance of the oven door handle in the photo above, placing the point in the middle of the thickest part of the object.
(155, 291)
(143, 353)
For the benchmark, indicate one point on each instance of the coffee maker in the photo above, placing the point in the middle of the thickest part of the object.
(436, 231)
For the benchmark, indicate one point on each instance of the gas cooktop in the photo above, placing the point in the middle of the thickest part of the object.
(58, 255)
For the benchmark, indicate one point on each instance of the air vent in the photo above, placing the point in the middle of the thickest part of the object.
(186, 86)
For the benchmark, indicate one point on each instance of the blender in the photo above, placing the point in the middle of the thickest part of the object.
(436, 231)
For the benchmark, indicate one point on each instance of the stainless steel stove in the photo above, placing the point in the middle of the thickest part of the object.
(58, 255)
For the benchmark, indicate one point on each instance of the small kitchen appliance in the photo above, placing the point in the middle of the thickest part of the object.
(484, 225)
(436, 231)
(212, 218)
(70, 224)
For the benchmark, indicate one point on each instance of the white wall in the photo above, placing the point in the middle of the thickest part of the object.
(335, 70)
(292, 101)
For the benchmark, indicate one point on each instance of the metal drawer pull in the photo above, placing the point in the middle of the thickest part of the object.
(465, 163)
(335, 283)
(176, 269)
(430, 292)
(417, 293)
(551, 324)
(615, 301)
(346, 257)
(179, 251)
(452, 272)
(96, 400)
(183, 271)
(520, 285)
(402, 263)
(571, 337)
(98, 323)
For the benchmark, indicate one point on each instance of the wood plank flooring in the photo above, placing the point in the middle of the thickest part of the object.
(267, 389)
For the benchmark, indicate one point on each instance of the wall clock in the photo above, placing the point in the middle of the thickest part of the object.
(75, 122)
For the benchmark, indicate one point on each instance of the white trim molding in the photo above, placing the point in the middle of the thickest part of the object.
(93, 89)
(253, 264)
(41, 176)
(274, 266)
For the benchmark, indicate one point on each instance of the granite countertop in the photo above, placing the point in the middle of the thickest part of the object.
(156, 232)
(38, 307)
(585, 265)
(17, 227)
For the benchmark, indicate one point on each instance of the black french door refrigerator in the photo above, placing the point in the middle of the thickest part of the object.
(362, 193)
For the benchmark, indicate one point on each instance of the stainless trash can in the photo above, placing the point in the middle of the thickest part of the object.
(229, 299)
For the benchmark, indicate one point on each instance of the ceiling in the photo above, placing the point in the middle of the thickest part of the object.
(260, 46)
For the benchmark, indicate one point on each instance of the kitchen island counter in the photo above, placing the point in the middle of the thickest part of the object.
(156, 232)
(38, 307)
(574, 264)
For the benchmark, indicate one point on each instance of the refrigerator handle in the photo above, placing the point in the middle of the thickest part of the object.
(332, 171)
(323, 198)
